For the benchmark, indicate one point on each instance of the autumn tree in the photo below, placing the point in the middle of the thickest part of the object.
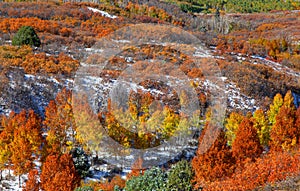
(246, 144)
(59, 123)
(58, 173)
(232, 124)
(88, 128)
(274, 108)
(272, 169)
(284, 132)
(260, 123)
(6, 138)
(32, 184)
(26, 142)
(288, 100)
(20, 141)
(215, 163)
(297, 123)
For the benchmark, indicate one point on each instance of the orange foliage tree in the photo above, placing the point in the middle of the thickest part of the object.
(26, 143)
(246, 144)
(59, 173)
(59, 121)
(20, 141)
(32, 183)
(6, 138)
(214, 164)
(37, 63)
(284, 133)
(297, 123)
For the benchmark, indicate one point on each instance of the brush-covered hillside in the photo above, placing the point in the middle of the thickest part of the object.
(149, 95)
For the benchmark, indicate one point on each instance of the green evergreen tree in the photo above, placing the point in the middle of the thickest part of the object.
(180, 177)
(81, 162)
(153, 179)
(26, 36)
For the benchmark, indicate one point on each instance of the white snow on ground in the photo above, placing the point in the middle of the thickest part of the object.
(121, 41)
(103, 13)
(93, 50)
(202, 53)
(235, 98)
(276, 66)
(10, 181)
(238, 100)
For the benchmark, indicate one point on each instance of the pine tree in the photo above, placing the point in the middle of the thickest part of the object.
(152, 179)
(180, 177)
(81, 161)
(26, 36)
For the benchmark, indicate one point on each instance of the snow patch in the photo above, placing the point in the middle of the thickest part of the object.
(121, 41)
(10, 182)
(93, 50)
(103, 13)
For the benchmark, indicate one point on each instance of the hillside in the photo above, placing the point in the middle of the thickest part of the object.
(131, 95)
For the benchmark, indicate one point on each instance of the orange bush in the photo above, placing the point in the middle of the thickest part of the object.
(34, 63)
(13, 25)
